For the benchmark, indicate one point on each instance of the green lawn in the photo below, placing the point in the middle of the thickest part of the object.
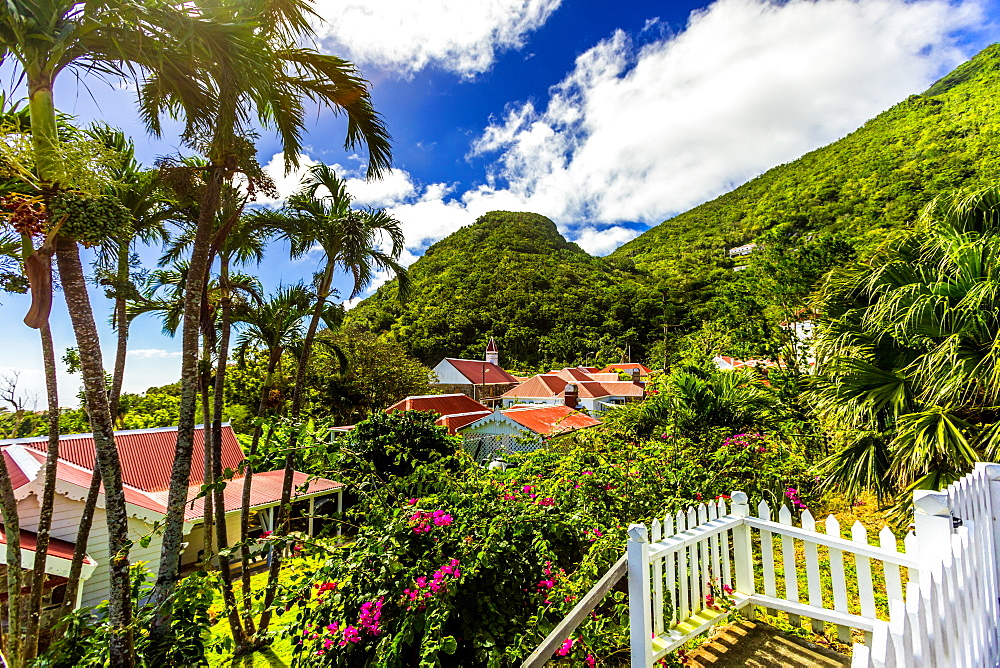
(279, 654)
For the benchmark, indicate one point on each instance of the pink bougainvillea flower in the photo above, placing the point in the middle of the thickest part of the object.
(565, 647)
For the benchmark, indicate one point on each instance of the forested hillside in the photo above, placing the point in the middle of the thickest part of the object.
(513, 276)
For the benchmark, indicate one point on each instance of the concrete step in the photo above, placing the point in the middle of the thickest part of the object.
(755, 645)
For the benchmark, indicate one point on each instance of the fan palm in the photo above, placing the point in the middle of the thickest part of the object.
(908, 356)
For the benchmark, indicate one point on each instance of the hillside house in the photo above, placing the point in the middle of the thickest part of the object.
(555, 389)
(456, 410)
(629, 368)
(146, 458)
(482, 380)
(521, 429)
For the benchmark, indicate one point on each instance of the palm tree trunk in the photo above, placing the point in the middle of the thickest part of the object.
(121, 328)
(92, 368)
(169, 571)
(272, 362)
(218, 396)
(12, 530)
(208, 520)
(298, 396)
(48, 496)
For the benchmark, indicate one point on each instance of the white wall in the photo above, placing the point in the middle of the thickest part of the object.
(448, 375)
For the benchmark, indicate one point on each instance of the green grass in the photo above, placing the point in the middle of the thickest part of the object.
(279, 654)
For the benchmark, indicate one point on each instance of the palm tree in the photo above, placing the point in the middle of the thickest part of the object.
(908, 362)
(141, 192)
(350, 240)
(272, 327)
(263, 76)
(45, 39)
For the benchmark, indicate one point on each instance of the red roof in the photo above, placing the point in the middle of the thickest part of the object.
(550, 420)
(60, 549)
(18, 478)
(624, 388)
(479, 372)
(265, 487)
(627, 367)
(456, 422)
(442, 404)
(542, 385)
(147, 455)
(746, 364)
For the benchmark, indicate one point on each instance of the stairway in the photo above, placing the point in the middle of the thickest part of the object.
(756, 645)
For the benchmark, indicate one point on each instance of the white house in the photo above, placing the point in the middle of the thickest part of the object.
(521, 429)
(146, 459)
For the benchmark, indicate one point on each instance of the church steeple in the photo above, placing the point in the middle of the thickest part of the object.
(492, 354)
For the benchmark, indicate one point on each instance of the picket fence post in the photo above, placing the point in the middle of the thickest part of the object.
(639, 599)
(743, 549)
(933, 526)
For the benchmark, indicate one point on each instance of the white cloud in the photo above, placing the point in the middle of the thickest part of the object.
(285, 183)
(638, 134)
(602, 242)
(152, 353)
(461, 36)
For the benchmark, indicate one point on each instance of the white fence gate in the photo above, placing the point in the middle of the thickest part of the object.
(947, 614)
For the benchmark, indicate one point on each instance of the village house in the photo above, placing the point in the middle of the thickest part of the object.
(628, 367)
(575, 388)
(146, 459)
(521, 429)
(482, 380)
(456, 410)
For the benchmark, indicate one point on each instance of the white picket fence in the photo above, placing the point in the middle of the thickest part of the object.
(947, 614)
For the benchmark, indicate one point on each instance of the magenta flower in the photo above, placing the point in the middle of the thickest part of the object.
(565, 647)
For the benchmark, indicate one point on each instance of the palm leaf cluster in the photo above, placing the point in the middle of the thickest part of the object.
(908, 377)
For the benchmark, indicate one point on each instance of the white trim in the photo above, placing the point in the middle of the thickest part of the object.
(53, 565)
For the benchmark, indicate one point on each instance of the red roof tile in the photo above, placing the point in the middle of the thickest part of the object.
(442, 404)
(147, 455)
(550, 420)
(479, 372)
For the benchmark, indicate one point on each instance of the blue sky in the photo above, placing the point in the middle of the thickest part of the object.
(607, 117)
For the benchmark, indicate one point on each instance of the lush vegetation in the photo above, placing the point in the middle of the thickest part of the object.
(446, 562)
(513, 276)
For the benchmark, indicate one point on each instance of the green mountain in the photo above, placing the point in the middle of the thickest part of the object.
(513, 276)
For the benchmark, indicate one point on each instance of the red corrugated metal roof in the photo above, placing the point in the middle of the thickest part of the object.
(542, 385)
(456, 422)
(479, 372)
(57, 548)
(550, 420)
(18, 478)
(147, 455)
(265, 489)
(624, 389)
(442, 404)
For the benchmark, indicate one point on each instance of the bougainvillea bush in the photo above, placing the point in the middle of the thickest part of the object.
(454, 564)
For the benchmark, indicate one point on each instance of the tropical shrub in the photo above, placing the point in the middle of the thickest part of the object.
(453, 564)
(908, 364)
